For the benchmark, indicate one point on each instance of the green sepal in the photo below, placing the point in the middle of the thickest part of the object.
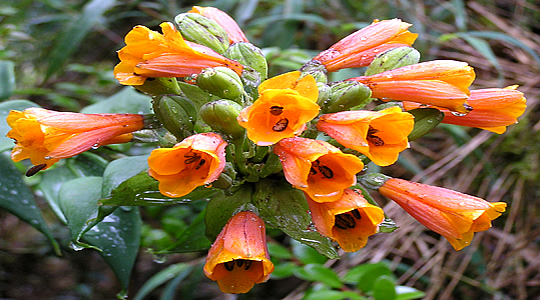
(347, 94)
(324, 94)
(315, 69)
(425, 119)
(373, 181)
(155, 86)
(202, 30)
(393, 59)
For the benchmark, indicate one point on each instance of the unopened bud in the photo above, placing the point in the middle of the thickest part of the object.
(315, 69)
(155, 86)
(176, 113)
(425, 119)
(222, 82)
(324, 93)
(202, 30)
(221, 116)
(393, 59)
(248, 55)
(347, 94)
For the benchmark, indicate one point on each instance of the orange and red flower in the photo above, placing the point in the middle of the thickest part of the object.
(454, 215)
(195, 161)
(150, 54)
(239, 257)
(224, 20)
(319, 169)
(350, 220)
(493, 109)
(46, 136)
(286, 102)
(443, 83)
(380, 135)
(360, 48)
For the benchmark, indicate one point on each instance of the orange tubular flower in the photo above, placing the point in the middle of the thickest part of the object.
(150, 54)
(46, 136)
(380, 135)
(349, 220)
(195, 161)
(319, 169)
(224, 20)
(239, 257)
(359, 48)
(285, 104)
(443, 83)
(493, 109)
(454, 215)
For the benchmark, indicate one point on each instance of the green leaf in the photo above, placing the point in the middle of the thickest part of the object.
(408, 293)
(320, 273)
(284, 270)
(425, 119)
(195, 94)
(306, 254)
(118, 235)
(127, 100)
(121, 170)
(222, 207)
(285, 208)
(78, 199)
(18, 199)
(484, 48)
(192, 239)
(365, 275)
(7, 79)
(77, 30)
(332, 295)
(178, 270)
(5, 108)
(384, 288)
(278, 251)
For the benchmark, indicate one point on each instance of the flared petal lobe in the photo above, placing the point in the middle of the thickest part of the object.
(493, 109)
(46, 136)
(150, 54)
(319, 169)
(285, 104)
(454, 215)
(224, 20)
(239, 257)
(443, 83)
(360, 48)
(380, 135)
(195, 161)
(350, 220)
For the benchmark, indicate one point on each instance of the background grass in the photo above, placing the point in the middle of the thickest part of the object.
(63, 52)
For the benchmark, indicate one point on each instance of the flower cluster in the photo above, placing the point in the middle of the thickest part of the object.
(296, 127)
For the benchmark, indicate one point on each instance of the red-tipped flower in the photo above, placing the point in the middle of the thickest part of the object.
(454, 215)
(360, 48)
(224, 20)
(239, 256)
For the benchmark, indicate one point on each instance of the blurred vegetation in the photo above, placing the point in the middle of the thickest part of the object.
(62, 52)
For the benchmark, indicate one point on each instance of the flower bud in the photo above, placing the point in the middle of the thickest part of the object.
(221, 116)
(315, 69)
(347, 94)
(248, 55)
(155, 86)
(393, 59)
(324, 93)
(221, 81)
(203, 31)
(425, 119)
(176, 113)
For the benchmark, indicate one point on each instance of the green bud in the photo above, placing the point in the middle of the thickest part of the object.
(324, 93)
(315, 69)
(202, 30)
(177, 114)
(347, 94)
(393, 59)
(248, 55)
(373, 181)
(155, 86)
(222, 82)
(425, 119)
(221, 116)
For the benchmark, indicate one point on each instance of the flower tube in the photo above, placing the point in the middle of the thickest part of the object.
(443, 83)
(46, 136)
(285, 104)
(360, 48)
(350, 220)
(224, 20)
(493, 109)
(239, 257)
(454, 215)
(150, 54)
(319, 169)
(380, 135)
(195, 161)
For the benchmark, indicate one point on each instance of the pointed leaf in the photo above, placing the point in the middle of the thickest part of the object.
(5, 108)
(18, 199)
(320, 273)
(384, 288)
(192, 239)
(127, 100)
(177, 270)
(121, 170)
(7, 79)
